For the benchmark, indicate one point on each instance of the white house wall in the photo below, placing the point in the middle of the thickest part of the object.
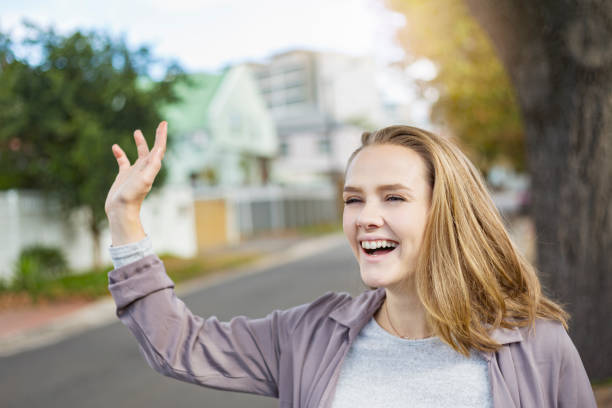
(348, 89)
(306, 164)
(239, 115)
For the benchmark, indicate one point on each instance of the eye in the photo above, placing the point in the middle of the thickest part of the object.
(351, 200)
(395, 198)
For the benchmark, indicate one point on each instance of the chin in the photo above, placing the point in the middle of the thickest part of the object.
(374, 279)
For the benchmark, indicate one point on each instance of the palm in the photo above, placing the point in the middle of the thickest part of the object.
(133, 182)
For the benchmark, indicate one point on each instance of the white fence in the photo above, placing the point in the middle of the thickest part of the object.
(26, 218)
(168, 216)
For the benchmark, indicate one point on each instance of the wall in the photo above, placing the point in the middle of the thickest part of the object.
(251, 211)
(27, 218)
(178, 220)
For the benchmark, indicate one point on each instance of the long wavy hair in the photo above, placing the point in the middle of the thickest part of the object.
(470, 277)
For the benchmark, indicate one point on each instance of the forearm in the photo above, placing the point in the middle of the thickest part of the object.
(233, 356)
(125, 227)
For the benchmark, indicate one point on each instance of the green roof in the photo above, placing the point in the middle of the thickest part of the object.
(196, 95)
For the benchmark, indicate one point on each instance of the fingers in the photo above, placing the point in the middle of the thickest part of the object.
(161, 135)
(141, 144)
(122, 159)
(153, 165)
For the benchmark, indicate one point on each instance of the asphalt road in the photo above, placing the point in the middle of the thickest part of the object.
(103, 368)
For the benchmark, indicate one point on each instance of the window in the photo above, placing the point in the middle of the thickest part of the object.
(324, 145)
(284, 149)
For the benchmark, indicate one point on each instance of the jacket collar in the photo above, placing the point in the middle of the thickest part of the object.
(356, 312)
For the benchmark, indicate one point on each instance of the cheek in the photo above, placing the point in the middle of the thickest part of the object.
(409, 228)
(349, 227)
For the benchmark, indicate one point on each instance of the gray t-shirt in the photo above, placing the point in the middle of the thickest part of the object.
(381, 370)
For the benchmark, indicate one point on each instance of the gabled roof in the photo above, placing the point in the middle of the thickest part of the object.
(196, 94)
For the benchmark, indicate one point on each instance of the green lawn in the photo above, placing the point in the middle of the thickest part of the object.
(93, 283)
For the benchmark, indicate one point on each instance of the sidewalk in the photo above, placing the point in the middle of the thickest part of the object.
(34, 326)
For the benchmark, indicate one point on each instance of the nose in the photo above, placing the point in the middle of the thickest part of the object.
(370, 217)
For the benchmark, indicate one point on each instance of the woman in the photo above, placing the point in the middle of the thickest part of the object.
(457, 319)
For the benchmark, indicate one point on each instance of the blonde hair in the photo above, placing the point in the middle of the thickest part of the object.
(470, 276)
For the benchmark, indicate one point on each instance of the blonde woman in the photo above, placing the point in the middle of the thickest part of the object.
(456, 318)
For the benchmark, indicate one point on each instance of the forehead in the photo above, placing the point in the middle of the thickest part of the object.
(386, 164)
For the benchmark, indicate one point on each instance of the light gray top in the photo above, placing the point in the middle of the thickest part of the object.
(126, 254)
(381, 370)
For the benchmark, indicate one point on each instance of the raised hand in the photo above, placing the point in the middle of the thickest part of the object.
(131, 186)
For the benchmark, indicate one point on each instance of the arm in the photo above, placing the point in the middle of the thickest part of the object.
(126, 254)
(241, 355)
(574, 387)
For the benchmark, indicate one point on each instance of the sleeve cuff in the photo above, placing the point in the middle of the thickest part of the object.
(125, 254)
(137, 280)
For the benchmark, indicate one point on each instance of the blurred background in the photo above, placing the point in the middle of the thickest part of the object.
(266, 100)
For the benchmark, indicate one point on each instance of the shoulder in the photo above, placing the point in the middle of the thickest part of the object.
(543, 354)
(543, 333)
(548, 340)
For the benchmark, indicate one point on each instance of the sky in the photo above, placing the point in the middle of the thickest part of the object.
(210, 34)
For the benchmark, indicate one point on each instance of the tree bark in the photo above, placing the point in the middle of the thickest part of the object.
(559, 58)
(95, 235)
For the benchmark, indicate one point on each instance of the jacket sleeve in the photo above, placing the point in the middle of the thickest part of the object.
(574, 387)
(240, 355)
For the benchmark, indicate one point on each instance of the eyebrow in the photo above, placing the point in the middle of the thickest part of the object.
(385, 187)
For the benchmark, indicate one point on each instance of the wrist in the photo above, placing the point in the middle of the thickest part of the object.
(125, 228)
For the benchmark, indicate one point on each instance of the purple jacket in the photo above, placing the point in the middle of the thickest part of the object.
(295, 355)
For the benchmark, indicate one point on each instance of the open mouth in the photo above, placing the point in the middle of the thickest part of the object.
(377, 248)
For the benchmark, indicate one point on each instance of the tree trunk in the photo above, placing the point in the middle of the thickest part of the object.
(95, 235)
(559, 58)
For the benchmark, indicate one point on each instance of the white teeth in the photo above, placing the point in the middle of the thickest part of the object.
(378, 244)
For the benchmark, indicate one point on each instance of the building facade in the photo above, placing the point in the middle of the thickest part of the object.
(320, 103)
(224, 132)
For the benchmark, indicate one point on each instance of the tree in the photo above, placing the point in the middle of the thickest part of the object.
(559, 60)
(476, 101)
(65, 104)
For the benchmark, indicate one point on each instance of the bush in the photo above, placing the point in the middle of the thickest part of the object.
(4, 285)
(52, 261)
(36, 265)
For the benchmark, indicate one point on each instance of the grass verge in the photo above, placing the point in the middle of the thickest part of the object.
(93, 283)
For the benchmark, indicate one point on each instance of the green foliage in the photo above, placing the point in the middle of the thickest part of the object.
(51, 260)
(29, 277)
(61, 113)
(476, 100)
(90, 285)
(32, 278)
(35, 266)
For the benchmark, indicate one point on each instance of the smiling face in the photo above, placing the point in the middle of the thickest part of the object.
(387, 199)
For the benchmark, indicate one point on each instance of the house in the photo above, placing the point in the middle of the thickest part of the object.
(225, 142)
(320, 103)
(224, 132)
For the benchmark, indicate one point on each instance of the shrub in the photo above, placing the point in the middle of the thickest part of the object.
(4, 285)
(52, 261)
(36, 265)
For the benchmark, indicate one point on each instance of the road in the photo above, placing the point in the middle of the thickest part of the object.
(103, 368)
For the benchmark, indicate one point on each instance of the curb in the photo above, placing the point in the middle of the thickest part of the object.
(102, 312)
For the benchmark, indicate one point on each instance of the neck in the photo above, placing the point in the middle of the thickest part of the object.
(403, 315)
